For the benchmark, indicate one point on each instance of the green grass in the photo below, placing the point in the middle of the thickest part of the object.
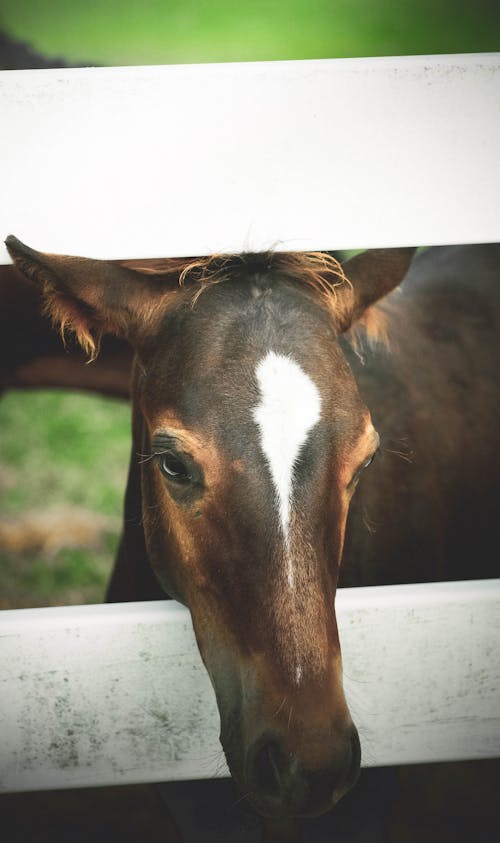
(63, 447)
(75, 576)
(63, 465)
(167, 31)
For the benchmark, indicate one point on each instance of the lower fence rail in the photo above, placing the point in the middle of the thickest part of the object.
(117, 694)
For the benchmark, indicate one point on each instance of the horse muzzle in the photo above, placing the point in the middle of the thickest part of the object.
(279, 784)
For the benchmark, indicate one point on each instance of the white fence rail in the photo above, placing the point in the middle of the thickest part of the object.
(97, 695)
(187, 160)
(190, 160)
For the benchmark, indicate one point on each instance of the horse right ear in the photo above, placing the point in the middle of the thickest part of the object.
(92, 297)
(371, 276)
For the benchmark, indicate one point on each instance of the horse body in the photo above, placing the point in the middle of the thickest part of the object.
(428, 509)
(253, 419)
(33, 357)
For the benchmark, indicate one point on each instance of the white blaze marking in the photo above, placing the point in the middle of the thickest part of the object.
(290, 406)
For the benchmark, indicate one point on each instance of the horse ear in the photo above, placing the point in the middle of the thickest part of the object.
(90, 297)
(372, 275)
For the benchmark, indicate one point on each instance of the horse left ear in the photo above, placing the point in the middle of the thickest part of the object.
(372, 275)
(92, 297)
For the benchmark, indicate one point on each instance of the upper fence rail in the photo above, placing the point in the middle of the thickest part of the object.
(194, 159)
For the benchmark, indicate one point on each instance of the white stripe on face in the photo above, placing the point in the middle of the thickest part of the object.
(289, 408)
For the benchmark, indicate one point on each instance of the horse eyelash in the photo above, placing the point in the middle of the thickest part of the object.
(143, 458)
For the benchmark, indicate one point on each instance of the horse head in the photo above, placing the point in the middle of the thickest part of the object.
(251, 436)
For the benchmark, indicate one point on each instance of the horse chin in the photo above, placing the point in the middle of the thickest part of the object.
(268, 808)
(169, 585)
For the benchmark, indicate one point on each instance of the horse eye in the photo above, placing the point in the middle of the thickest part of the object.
(368, 462)
(361, 469)
(173, 468)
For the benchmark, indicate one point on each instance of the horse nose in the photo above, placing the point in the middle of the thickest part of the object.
(280, 785)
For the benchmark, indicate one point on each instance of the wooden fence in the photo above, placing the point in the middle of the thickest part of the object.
(188, 160)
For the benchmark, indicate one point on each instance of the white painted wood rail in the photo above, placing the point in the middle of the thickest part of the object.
(189, 160)
(96, 695)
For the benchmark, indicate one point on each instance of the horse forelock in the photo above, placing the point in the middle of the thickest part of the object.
(318, 272)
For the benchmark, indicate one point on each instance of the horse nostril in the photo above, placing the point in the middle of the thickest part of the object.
(267, 763)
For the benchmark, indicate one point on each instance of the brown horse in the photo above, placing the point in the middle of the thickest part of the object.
(251, 429)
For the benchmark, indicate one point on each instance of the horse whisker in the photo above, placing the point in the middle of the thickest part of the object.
(238, 801)
(279, 707)
(409, 458)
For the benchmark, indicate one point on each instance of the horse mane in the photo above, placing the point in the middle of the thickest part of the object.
(320, 272)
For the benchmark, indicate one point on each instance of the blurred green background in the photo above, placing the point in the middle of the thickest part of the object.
(167, 31)
(64, 455)
(63, 467)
